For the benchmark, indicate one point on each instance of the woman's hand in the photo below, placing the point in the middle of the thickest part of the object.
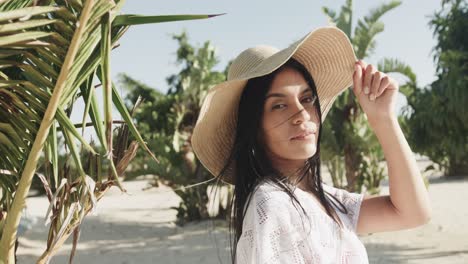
(375, 90)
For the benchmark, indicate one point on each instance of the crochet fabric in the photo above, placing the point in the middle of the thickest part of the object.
(275, 230)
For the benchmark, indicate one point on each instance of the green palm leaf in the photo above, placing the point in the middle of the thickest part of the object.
(48, 58)
(368, 28)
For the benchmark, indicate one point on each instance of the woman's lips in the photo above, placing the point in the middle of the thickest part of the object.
(303, 137)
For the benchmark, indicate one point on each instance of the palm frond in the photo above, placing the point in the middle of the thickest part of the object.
(368, 28)
(128, 20)
(48, 57)
(344, 20)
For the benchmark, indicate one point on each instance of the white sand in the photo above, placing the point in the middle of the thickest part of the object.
(139, 229)
(443, 240)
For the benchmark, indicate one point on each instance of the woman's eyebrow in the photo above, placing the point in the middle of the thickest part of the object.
(307, 89)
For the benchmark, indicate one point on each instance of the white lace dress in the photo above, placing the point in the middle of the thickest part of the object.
(274, 231)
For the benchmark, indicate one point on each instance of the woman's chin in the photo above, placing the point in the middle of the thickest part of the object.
(305, 152)
(294, 152)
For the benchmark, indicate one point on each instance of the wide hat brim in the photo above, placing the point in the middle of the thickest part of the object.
(326, 53)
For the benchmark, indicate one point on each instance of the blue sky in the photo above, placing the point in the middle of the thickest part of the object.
(147, 52)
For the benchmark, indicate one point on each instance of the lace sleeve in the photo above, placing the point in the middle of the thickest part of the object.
(351, 200)
(271, 232)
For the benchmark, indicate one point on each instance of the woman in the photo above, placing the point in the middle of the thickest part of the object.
(260, 130)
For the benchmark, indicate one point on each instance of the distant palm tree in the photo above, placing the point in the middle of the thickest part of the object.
(50, 52)
(170, 119)
(345, 128)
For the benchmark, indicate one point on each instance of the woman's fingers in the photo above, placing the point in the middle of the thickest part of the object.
(383, 84)
(369, 81)
(368, 78)
(375, 83)
(357, 79)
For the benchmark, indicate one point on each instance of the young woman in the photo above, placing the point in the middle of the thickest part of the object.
(260, 130)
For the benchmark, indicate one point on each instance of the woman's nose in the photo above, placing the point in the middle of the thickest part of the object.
(301, 114)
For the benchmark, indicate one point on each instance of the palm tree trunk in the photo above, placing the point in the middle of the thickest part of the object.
(202, 196)
(351, 163)
(457, 168)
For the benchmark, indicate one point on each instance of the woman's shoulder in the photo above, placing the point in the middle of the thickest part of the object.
(344, 196)
(267, 196)
(351, 200)
(268, 190)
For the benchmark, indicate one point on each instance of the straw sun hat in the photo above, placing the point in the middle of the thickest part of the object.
(326, 53)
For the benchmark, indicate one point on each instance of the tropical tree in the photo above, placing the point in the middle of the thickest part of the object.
(169, 120)
(436, 115)
(50, 54)
(350, 150)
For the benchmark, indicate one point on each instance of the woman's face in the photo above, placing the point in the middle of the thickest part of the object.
(289, 112)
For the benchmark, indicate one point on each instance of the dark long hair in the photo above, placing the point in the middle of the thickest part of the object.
(251, 164)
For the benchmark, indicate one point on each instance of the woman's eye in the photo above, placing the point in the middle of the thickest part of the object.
(309, 99)
(278, 106)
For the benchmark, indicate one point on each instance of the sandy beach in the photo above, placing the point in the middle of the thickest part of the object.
(139, 228)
